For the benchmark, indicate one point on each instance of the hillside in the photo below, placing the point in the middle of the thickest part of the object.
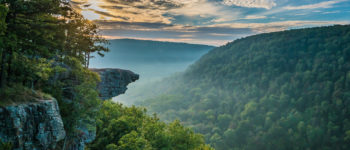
(285, 90)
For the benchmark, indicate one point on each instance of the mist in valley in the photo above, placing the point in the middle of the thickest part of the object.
(152, 60)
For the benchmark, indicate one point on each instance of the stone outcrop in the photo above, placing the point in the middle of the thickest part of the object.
(87, 135)
(114, 81)
(36, 125)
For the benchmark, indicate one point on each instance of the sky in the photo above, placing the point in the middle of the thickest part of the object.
(211, 22)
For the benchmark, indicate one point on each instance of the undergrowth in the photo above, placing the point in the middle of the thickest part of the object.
(17, 94)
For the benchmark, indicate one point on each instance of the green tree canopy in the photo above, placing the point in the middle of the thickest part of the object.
(285, 90)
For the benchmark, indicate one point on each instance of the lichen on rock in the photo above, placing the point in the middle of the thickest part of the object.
(36, 125)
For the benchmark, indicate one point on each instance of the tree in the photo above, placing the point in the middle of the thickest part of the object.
(133, 141)
(82, 38)
(3, 26)
(39, 41)
(122, 128)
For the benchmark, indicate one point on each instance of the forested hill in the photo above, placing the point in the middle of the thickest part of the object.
(285, 90)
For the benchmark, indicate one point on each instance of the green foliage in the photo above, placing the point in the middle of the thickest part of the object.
(74, 86)
(123, 128)
(285, 90)
(3, 14)
(17, 94)
(133, 141)
(5, 145)
(45, 46)
(40, 33)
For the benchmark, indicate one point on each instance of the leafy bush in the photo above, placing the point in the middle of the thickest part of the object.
(17, 94)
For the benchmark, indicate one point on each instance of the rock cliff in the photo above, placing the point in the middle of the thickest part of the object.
(36, 125)
(114, 81)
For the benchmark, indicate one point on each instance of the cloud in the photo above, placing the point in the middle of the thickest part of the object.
(220, 33)
(107, 14)
(205, 9)
(254, 17)
(157, 11)
(129, 10)
(327, 4)
(198, 8)
(216, 34)
(267, 4)
(280, 25)
(121, 25)
(177, 33)
(331, 12)
(218, 20)
(200, 21)
(77, 4)
(145, 26)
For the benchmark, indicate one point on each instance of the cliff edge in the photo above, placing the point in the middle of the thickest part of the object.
(114, 81)
(36, 125)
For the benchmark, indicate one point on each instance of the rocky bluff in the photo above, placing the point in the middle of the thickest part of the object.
(114, 81)
(32, 126)
(38, 125)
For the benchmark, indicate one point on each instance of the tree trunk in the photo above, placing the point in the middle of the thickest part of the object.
(9, 63)
(88, 60)
(64, 144)
(85, 59)
(3, 72)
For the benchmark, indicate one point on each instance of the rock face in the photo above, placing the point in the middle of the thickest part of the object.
(36, 125)
(39, 126)
(87, 136)
(114, 81)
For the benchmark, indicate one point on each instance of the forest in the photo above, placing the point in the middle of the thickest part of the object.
(286, 90)
(45, 48)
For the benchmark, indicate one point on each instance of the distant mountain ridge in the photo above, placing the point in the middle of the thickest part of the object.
(155, 51)
(155, 41)
(150, 58)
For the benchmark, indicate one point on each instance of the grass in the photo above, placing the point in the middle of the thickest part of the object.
(18, 94)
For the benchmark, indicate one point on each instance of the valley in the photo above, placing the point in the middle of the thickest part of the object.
(282, 90)
(152, 60)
